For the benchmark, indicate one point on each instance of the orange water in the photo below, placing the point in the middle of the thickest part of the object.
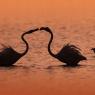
(37, 73)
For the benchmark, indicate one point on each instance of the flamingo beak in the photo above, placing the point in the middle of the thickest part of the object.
(45, 28)
(31, 31)
(42, 28)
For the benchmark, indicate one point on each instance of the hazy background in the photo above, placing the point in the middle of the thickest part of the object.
(40, 10)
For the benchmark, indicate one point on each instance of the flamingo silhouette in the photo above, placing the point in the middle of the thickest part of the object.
(8, 56)
(93, 49)
(69, 54)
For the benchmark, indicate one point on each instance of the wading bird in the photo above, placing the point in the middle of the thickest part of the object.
(8, 56)
(93, 49)
(69, 54)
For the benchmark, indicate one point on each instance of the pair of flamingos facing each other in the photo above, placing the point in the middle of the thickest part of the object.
(69, 54)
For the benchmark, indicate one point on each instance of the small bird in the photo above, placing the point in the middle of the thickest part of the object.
(69, 54)
(8, 56)
(93, 49)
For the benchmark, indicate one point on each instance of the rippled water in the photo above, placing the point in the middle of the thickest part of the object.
(38, 73)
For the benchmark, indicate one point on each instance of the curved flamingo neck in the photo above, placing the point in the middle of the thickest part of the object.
(27, 46)
(49, 45)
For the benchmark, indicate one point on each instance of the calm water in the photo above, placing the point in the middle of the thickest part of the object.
(37, 73)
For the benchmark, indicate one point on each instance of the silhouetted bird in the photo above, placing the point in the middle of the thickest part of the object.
(9, 56)
(93, 49)
(69, 54)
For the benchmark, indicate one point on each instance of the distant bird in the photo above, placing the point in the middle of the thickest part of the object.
(93, 49)
(69, 54)
(8, 56)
